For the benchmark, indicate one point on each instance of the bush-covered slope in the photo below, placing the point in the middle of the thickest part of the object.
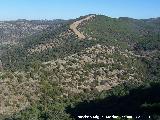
(49, 71)
(128, 30)
(12, 31)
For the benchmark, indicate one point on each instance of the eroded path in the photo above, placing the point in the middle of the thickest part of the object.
(77, 23)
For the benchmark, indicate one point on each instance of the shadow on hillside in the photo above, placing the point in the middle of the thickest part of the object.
(141, 101)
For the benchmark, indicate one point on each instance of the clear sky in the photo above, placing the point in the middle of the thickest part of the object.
(66, 9)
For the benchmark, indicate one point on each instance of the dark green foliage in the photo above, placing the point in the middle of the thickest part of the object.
(124, 30)
(143, 101)
(153, 66)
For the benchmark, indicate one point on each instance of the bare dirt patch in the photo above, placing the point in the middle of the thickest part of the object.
(77, 23)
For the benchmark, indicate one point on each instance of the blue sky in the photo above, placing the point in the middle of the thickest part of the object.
(66, 9)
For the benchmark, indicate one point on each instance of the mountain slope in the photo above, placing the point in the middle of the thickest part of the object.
(59, 69)
(12, 31)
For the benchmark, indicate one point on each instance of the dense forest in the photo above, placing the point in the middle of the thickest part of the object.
(51, 74)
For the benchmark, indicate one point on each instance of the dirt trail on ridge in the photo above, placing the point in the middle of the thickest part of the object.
(77, 23)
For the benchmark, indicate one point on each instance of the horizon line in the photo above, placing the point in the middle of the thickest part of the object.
(45, 19)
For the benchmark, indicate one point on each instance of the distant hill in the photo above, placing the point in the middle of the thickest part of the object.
(12, 31)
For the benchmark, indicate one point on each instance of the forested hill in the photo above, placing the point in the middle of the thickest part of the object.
(12, 31)
(47, 67)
